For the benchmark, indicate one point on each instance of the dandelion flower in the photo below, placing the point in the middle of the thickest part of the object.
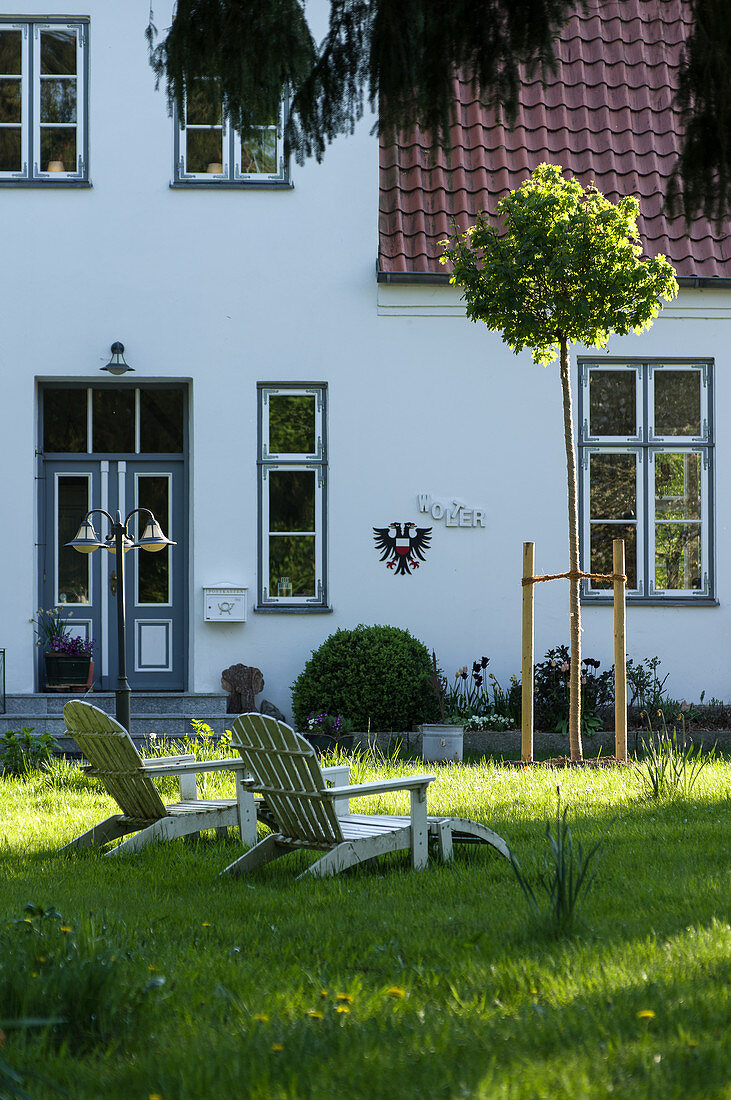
(276, 1047)
(323, 993)
(261, 1018)
(206, 924)
(342, 1008)
(64, 927)
(646, 1014)
(394, 991)
(345, 997)
(155, 1096)
(315, 1015)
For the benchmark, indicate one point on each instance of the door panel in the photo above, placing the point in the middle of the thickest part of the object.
(155, 583)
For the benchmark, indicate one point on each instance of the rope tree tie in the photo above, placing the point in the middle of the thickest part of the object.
(618, 580)
(575, 575)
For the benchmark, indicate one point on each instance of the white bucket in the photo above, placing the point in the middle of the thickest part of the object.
(442, 742)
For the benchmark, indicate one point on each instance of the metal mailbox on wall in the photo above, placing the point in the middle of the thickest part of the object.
(224, 603)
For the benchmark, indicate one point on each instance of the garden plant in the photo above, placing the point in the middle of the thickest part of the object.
(378, 677)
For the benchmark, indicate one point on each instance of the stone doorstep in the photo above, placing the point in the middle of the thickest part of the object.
(185, 704)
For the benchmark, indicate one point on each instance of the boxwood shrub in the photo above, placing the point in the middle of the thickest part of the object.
(376, 673)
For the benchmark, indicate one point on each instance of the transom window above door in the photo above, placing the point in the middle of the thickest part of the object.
(43, 101)
(109, 420)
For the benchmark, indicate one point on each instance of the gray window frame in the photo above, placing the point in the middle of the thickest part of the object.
(230, 180)
(31, 175)
(318, 461)
(646, 446)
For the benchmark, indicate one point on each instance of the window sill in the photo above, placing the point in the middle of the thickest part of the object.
(50, 185)
(291, 609)
(655, 601)
(231, 185)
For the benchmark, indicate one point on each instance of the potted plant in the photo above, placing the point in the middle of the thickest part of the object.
(325, 731)
(68, 658)
(445, 740)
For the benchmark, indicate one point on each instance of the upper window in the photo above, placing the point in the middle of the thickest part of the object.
(113, 420)
(292, 497)
(209, 151)
(43, 77)
(646, 467)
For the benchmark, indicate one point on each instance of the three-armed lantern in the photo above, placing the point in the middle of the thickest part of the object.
(118, 542)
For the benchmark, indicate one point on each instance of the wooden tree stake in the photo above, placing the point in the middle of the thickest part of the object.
(526, 736)
(620, 651)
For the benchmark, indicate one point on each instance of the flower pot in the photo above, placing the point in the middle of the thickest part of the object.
(65, 671)
(323, 742)
(441, 742)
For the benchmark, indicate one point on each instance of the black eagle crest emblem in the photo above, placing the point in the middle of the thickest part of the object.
(401, 545)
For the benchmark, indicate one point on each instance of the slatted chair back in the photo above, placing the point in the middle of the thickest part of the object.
(115, 760)
(286, 771)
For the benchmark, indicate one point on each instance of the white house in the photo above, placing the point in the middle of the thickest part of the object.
(302, 377)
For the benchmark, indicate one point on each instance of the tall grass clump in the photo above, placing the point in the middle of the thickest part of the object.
(670, 767)
(564, 880)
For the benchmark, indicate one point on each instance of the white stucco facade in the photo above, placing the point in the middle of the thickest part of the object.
(221, 290)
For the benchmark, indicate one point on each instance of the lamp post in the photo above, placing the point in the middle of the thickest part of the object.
(118, 542)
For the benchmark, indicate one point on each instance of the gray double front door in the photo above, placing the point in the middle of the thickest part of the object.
(85, 586)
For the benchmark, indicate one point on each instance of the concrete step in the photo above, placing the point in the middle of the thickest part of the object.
(186, 703)
(166, 715)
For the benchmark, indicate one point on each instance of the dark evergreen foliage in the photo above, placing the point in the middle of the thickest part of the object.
(401, 56)
(703, 176)
(239, 53)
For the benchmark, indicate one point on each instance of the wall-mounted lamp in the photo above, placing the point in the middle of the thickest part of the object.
(116, 364)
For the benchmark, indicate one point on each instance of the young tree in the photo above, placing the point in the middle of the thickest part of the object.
(403, 55)
(562, 266)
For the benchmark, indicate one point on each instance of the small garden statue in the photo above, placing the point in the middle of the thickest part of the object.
(243, 683)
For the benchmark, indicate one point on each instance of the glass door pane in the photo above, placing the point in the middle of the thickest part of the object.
(153, 568)
(72, 568)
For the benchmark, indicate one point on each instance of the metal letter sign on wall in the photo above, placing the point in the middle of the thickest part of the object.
(454, 513)
(401, 544)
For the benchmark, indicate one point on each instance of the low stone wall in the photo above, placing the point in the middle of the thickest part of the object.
(507, 743)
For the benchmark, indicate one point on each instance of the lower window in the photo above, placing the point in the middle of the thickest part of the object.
(292, 497)
(646, 469)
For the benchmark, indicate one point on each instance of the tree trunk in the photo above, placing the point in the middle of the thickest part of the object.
(574, 583)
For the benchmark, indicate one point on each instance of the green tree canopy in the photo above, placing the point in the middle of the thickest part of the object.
(402, 56)
(562, 265)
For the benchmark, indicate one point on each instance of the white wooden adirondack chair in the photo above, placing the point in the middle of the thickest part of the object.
(286, 772)
(128, 779)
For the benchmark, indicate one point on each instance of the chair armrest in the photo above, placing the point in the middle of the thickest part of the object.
(154, 761)
(232, 765)
(380, 786)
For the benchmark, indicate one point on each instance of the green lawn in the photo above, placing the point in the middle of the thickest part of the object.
(384, 983)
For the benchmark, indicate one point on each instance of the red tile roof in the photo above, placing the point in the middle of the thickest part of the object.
(607, 114)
